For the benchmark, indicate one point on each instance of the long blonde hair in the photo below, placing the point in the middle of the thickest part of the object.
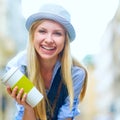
(35, 76)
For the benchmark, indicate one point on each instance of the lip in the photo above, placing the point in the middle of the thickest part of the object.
(48, 49)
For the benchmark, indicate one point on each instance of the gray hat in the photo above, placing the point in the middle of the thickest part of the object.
(56, 13)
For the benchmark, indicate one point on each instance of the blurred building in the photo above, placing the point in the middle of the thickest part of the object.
(13, 38)
(13, 34)
(102, 101)
(3, 20)
(115, 46)
(16, 24)
(107, 72)
(88, 105)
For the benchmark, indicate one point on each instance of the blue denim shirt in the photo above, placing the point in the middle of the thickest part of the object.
(78, 75)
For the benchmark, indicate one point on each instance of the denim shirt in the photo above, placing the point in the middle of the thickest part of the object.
(78, 76)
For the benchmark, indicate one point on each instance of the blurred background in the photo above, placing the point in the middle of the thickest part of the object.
(97, 46)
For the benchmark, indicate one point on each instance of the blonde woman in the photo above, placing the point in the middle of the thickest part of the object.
(48, 63)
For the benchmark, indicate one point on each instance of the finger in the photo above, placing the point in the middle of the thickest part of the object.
(14, 92)
(9, 90)
(24, 103)
(24, 98)
(19, 95)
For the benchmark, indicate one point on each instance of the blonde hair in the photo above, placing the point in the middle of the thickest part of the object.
(35, 76)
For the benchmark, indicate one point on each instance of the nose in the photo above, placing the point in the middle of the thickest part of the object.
(49, 38)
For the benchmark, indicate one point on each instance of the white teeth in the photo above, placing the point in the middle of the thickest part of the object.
(48, 48)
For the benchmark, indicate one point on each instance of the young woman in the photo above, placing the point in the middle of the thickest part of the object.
(48, 63)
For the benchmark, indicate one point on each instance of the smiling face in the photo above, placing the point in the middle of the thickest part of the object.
(49, 39)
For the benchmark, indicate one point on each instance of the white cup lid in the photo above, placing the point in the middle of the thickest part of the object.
(8, 74)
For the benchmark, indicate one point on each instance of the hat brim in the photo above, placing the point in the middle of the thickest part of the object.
(66, 24)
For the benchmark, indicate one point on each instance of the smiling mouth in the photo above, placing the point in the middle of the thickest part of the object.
(48, 48)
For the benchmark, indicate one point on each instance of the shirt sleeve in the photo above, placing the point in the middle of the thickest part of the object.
(17, 61)
(20, 112)
(78, 75)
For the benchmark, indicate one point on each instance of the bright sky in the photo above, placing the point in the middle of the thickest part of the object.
(89, 17)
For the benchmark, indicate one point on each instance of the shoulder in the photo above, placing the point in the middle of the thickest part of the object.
(78, 72)
(18, 60)
(78, 77)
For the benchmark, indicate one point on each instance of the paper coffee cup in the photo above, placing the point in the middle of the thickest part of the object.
(14, 77)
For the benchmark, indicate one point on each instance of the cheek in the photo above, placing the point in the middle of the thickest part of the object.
(36, 39)
(36, 43)
(36, 36)
(61, 46)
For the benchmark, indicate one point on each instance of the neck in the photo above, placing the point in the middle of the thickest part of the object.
(47, 72)
(47, 65)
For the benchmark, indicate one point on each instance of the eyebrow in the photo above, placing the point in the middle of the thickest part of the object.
(56, 29)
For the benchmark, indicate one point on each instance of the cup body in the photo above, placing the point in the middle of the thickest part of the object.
(14, 77)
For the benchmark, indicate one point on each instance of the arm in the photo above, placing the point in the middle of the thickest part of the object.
(20, 98)
(24, 110)
(29, 114)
